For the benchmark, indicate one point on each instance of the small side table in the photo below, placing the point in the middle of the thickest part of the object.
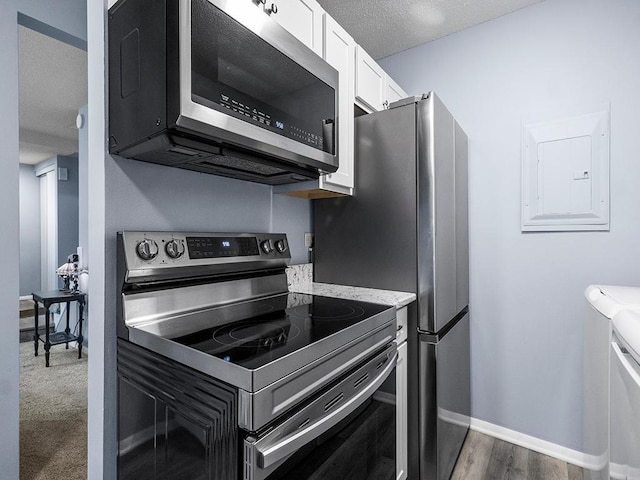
(48, 298)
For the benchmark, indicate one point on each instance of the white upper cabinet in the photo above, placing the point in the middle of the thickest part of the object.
(302, 18)
(370, 82)
(374, 89)
(393, 91)
(339, 51)
(361, 81)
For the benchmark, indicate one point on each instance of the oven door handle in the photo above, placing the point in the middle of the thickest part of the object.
(273, 453)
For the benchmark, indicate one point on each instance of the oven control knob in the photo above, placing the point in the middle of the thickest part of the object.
(281, 246)
(147, 249)
(174, 248)
(266, 247)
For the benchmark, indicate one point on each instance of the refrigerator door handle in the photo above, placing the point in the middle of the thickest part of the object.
(435, 337)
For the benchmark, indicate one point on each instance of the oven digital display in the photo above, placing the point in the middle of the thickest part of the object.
(218, 247)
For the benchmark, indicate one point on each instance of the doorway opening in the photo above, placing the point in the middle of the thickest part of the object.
(53, 93)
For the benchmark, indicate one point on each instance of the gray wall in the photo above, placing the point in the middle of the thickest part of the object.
(83, 216)
(29, 231)
(83, 191)
(144, 196)
(67, 209)
(69, 16)
(527, 301)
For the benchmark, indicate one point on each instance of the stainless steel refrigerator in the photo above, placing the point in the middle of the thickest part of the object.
(406, 228)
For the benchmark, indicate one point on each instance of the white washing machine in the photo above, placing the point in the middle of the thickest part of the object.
(603, 303)
(625, 396)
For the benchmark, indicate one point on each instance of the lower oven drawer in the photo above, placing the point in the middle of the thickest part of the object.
(342, 433)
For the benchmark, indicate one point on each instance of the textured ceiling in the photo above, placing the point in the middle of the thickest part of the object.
(53, 87)
(385, 27)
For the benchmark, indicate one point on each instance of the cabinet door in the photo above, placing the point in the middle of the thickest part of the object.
(339, 50)
(302, 18)
(370, 82)
(393, 91)
(402, 462)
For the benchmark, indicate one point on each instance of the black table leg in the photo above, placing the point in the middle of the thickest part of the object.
(47, 344)
(80, 338)
(67, 330)
(36, 336)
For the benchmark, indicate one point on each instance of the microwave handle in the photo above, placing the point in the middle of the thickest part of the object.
(329, 136)
(278, 451)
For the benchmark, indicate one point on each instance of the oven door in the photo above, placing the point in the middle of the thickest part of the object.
(348, 431)
(247, 81)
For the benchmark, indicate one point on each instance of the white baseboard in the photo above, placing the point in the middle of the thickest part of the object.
(619, 472)
(532, 443)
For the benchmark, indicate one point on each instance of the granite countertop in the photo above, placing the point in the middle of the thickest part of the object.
(300, 282)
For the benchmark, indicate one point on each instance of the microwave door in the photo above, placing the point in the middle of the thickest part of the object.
(248, 82)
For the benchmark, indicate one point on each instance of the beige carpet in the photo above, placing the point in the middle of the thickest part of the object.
(53, 414)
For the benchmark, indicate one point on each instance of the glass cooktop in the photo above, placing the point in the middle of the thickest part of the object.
(275, 327)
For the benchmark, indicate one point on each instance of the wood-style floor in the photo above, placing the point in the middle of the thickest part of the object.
(487, 458)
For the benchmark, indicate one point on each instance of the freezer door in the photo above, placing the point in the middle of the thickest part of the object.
(443, 258)
(444, 400)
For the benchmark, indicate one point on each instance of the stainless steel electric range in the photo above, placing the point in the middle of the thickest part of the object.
(224, 374)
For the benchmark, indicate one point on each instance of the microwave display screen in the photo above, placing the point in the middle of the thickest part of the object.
(236, 72)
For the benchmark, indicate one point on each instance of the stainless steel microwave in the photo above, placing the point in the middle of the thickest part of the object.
(218, 86)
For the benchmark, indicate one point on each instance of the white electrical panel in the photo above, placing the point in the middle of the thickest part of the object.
(565, 172)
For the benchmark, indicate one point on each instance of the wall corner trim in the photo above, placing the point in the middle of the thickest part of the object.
(544, 447)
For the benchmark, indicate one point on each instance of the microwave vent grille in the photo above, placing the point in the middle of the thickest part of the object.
(235, 163)
(164, 157)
